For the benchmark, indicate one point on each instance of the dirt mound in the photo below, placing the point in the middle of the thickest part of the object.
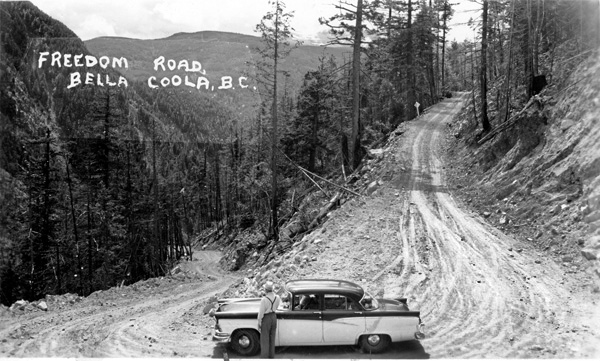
(185, 272)
(310, 254)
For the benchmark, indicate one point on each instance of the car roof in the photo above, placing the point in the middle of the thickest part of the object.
(324, 286)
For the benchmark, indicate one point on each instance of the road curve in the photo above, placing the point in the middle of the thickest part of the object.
(165, 320)
(482, 293)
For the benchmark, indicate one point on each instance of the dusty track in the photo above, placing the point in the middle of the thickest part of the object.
(167, 322)
(485, 299)
(481, 292)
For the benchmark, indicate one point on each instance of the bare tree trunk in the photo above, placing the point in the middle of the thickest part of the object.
(274, 219)
(445, 17)
(473, 84)
(106, 148)
(314, 138)
(437, 51)
(389, 19)
(529, 49)
(89, 239)
(410, 71)
(509, 63)
(157, 235)
(356, 126)
(74, 219)
(485, 122)
(217, 170)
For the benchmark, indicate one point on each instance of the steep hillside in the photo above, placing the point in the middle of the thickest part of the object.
(540, 178)
(84, 165)
(482, 291)
(106, 179)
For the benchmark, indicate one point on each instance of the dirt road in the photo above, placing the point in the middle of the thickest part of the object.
(163, 319)
(480, 292)
(486, 294)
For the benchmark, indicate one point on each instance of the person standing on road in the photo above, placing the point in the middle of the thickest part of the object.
(267, 321)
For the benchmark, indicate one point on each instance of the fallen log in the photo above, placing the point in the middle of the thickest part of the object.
(536, 99)
(326, 209)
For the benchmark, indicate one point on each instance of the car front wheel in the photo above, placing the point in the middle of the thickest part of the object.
(245, 342)
(374, 343)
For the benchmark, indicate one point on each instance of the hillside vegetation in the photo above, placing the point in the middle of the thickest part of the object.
(111, 185)
(538, 179)
(106, 185)
(462, 176)
(221, 54)
(85, 168)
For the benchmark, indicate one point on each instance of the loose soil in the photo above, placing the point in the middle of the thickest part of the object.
(159, 317)
(481, 292)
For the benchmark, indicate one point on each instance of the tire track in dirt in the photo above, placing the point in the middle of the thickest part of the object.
(479, 296)
(151, 331)
(151, 326)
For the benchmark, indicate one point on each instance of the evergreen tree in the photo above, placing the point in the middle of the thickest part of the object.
(276, 35)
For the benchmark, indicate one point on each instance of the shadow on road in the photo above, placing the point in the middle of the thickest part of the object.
(398, 350)
(421, 181)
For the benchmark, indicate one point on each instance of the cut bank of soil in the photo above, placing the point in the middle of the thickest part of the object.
(482, 293)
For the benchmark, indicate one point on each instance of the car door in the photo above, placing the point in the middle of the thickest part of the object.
(301, 323)
(343, 320)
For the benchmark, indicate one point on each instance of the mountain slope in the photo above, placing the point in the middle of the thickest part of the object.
(539, 179)
(84, 167)
(220, 54)
(481, 292)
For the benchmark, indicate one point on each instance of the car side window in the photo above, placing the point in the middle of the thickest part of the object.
(305, 302)
(339, 302)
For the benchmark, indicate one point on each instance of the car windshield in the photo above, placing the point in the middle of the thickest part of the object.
(369, 302)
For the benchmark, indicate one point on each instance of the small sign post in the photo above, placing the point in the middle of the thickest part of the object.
(417, 106)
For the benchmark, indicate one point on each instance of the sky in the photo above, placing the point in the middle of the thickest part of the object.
(155, 19)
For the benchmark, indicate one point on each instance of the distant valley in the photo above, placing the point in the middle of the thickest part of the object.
(221, 55)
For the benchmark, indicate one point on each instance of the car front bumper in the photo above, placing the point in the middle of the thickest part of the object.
(220, 336)
(420, 334)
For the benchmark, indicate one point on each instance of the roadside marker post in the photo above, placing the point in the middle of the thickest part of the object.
(417, 106)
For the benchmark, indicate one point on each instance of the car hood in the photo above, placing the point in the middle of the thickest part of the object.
(239, 305)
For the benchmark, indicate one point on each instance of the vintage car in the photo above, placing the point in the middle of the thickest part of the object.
(319, 312)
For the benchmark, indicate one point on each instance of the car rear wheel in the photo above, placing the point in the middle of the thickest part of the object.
(374, 343)
(245, 342)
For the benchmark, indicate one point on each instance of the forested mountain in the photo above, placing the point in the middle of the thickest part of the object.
(109, 176)
(85, 191)
(100, 184)
(220, 54)
(105, 181)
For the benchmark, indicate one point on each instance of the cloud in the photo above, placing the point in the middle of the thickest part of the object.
(96, 25)
(154, 19)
